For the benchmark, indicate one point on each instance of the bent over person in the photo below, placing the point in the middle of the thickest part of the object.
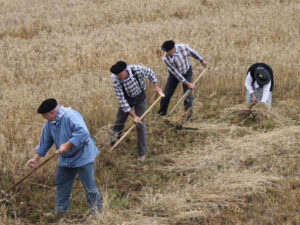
(129, 86)
(180, 70)
(259, 84)
(77, 151)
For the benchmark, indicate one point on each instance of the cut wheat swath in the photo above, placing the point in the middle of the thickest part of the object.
(161, 95)
(187, 92)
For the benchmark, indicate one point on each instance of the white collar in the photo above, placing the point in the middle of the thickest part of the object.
(114, 77)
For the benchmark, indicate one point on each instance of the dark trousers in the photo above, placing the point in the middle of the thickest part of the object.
(120, 121)
(170, 87)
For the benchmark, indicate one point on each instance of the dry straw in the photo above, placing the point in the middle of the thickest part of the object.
(64, 49)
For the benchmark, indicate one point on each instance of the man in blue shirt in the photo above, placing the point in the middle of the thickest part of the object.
(77, 152)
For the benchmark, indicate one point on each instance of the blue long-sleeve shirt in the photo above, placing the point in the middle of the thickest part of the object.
(70, 127)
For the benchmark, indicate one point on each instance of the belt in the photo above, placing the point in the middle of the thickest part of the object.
(78, 150)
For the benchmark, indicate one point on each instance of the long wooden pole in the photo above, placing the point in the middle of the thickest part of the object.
(131, 128)
(39, 166)
(187, 92)
(31, 172)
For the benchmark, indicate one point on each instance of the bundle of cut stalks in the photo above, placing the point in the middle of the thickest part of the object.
(256, 115)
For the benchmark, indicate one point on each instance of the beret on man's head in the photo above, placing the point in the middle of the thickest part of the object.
(168, 45)
(47, 106)
(119, 67)
(262, 76)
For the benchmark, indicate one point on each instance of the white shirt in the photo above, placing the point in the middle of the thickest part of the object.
(249, 87)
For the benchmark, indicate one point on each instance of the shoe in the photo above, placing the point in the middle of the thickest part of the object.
(95, 210)
(160, 113)
(189, 117)
(141, 158)
(189, 120)
(54, 215)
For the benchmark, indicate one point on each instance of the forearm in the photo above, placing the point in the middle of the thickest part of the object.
(36, 157)
(249, 89)
(132, 114)
(78, 137)
(195, 54)
(150, 75)
(45, 143)
(174, 71)
(67, 145)
(248, 83)
(33, 161)
(189, 85)
(136, 119)
(178, 76)
(122, 100)
(266, 92)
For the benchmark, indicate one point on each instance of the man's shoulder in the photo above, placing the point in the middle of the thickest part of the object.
(71, 113)
(116, 83)
(73, 117)
(181, 46)
(136, 67)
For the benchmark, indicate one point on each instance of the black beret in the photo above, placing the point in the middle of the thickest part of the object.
(168, 45)
(47, 106)
(118, 67)
(262, 76)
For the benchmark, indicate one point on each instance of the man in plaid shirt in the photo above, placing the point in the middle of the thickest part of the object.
(180, 70)
(129, 86)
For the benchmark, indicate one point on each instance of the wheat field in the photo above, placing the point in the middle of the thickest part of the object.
(223, 172)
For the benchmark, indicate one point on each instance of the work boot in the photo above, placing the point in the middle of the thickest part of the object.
(95, 210)
(141, 158)
(53, 216)
(189, 116)
(161, 113)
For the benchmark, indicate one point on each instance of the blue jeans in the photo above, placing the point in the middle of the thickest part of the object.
(170, 87)
(258, 96)
(65, 177)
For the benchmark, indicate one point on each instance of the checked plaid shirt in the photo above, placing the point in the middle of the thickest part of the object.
(178, 64)
(131, 85)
